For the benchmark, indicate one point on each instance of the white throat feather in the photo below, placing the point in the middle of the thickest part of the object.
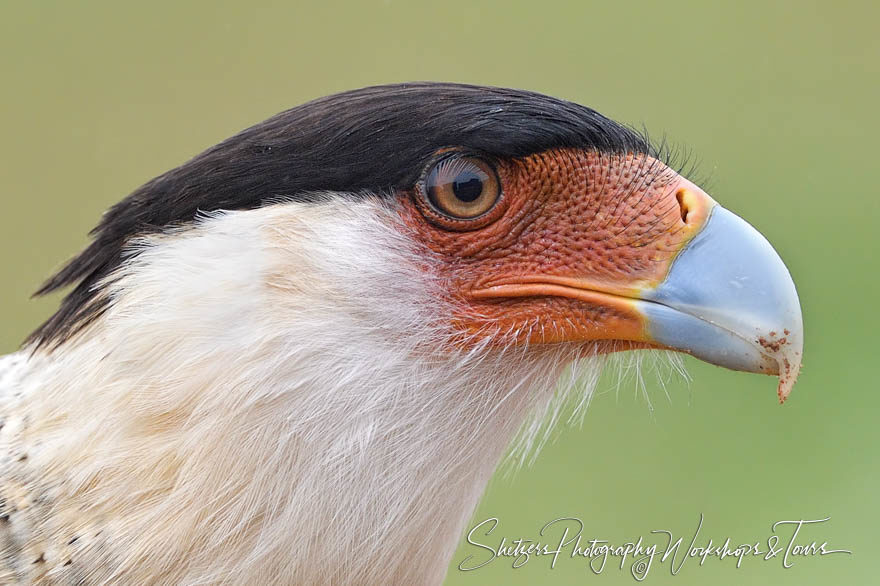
(267, 399)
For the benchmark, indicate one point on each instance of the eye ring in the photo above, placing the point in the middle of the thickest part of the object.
(460, 192)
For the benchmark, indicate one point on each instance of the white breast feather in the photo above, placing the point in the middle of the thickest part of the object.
(265, 401)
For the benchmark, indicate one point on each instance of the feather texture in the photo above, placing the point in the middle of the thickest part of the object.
(270, 397)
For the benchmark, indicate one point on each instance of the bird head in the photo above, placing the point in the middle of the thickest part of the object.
(538, 221)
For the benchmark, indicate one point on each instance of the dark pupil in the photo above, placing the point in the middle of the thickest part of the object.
(467, 186)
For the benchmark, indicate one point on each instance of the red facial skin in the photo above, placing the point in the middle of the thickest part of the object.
(573, 240)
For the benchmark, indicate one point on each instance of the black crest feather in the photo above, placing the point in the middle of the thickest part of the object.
(374, 139)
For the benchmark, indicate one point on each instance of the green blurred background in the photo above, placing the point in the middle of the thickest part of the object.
(778, 101)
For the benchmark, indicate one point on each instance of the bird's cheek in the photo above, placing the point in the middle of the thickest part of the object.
(584, 275)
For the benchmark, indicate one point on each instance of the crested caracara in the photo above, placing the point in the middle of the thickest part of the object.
(293, 357)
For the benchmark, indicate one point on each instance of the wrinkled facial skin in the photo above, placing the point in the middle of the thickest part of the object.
(579, 233)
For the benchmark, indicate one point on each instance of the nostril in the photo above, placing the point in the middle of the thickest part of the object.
(682, 204)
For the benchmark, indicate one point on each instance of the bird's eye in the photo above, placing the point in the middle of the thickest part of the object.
(462, 188)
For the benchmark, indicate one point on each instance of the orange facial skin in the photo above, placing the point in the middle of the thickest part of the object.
(575, 238)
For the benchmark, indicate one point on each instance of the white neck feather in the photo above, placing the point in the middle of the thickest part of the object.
(268, 399)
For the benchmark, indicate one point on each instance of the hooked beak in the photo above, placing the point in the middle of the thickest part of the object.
(728, 299)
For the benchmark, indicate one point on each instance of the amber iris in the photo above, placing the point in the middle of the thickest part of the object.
(462, 187)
